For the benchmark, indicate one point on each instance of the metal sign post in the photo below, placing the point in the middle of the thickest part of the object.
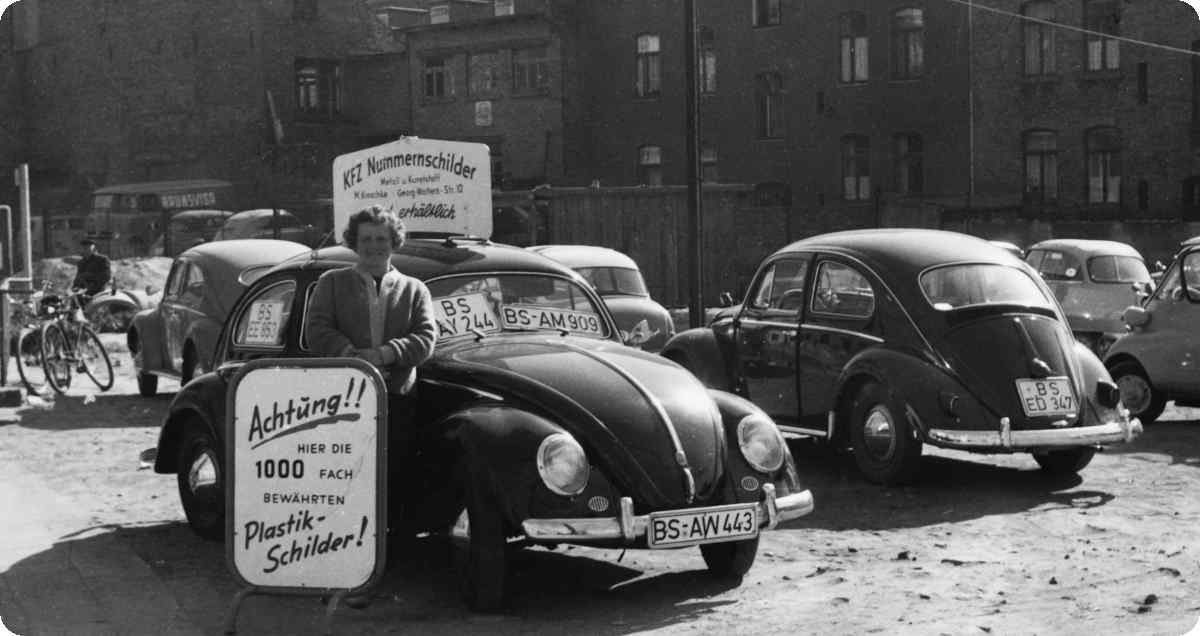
(306, 501)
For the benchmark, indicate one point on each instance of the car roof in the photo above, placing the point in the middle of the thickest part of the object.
(224, 261)
(1089, 246)
(259, 213)
(187, 214)
(901, 250)
(1195, 240)
(429, 258)
(576, 256)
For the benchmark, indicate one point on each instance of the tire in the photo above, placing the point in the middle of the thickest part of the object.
(730, 561)
(55, 362)
(884, 447)
(93, 358)
(1065, 462)
(481, 558)
(26, 349)
(147, 384)
(1137, 393)
(201, 480)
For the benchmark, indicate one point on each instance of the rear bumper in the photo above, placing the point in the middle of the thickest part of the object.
(1123, 430)
(632, 528)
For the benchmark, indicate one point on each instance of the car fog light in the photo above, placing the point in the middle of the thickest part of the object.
(1107, 394)
(760, 443)
(562, 464)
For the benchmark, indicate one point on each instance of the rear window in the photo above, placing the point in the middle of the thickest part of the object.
(265, 322)
(1118, 269)
(956, 286)
(615, 280)
(1055, 265)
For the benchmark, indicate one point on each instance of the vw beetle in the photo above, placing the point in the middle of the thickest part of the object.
(534, 421)
(885, 340)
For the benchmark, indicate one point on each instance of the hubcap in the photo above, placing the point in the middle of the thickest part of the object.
(1135, 392)
(879, 433)
(202, 476)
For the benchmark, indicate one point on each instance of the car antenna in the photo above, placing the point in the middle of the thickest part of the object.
(324, 239)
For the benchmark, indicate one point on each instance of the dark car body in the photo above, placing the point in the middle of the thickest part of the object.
(261, 223)
(491, 397)
(1157, 360)
(643, 322)
(1094, 282)
(884, 340)
(177, 337)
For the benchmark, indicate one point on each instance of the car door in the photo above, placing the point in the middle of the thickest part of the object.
(189, 310)
(838, 324)
(765, 336)
(1170, 349)
(173, 313)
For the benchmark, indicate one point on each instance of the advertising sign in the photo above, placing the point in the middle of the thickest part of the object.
(307, 497)
(433, 185)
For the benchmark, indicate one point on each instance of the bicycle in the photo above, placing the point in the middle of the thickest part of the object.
(70, 345)
(26, 345)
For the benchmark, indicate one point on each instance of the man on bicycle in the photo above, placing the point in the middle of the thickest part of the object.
(93, 272)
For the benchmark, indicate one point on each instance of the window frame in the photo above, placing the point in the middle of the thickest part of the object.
(650, 171)
(706, 57)
(1101, 54)
(854, 53)
(1046, 158)
(647, 82)
(441, 72)
(814, 294)
(908, 45)
(530, 62)
(908, 164)
(766, 13)
(1039, 43)
(856, 153)
(495, 78)
(769, 107)
(1103, 161)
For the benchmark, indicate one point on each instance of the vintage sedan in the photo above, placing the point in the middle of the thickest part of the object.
(885, 340)
(177, 338)
(1094, 281)
(1157, 360)
(616, 277)
(533, 420)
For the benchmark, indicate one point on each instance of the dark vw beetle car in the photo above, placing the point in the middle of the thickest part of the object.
(534, 421)
(884, 340)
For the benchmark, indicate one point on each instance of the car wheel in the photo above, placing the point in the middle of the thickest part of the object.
(481, 553)
(1065, 462)
(730, 560)
(1137, 393)
(884, 447)
(201, 478)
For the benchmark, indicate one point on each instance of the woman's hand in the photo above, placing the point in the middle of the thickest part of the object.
(371, 355)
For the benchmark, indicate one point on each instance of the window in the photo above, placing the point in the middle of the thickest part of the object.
(1055, 265)
(769, 98)
(530, 70)
(841, 290)
(708, 61)
(439, 14)
(909, 172)
(708, 163)
(1103, 146)
(649, 66)
(318, 87)
(193, 291)
(1039, 39)
(503, 7)
(853, 29)
(1101, 16)
(1041, 165)
(650, 165)
(437, 78)
(856, 168)
(767, 12)
(908, 43)
(781, 289)
(483, 73)
(264, 323)
(1118, 269)
(955, 286)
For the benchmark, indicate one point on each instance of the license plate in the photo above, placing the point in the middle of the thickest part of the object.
(1047, 396)
(465, 313)
(679, 528)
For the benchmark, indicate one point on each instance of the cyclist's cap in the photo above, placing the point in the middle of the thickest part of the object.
(87, 241)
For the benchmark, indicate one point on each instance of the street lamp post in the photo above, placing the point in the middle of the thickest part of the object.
(695, 201)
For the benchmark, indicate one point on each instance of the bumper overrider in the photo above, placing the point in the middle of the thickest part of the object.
(1114, 432)
(772, 510)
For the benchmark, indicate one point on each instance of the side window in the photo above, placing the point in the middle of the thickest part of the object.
(1035, 258)
(842, 291)
(264, 322)
(308, 292)
(193, 290)
(1059, 266)
(787, 294)
(762, 295)
(175, 280)
(1191, 275)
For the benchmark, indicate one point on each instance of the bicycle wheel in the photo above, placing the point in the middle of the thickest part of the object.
(27, 351)
(56, 360)
(93, 358)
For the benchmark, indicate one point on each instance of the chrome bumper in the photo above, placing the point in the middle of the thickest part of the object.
(630, 528)
(1008, 439)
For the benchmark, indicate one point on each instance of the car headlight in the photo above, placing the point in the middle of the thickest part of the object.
(760, 443)
(562, 464)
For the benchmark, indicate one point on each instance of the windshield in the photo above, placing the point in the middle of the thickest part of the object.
(615, 280)
(957, 286)
(1118, 269)
(491, 303)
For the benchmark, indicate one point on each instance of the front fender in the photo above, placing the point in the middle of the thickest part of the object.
(145, 340)
(202, 401)
(698, 351)
(786, 480)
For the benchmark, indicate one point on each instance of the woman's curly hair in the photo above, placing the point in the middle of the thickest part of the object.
(374, 214)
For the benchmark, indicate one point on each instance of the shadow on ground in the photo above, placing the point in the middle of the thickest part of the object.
(94, 411)
(1178, 439)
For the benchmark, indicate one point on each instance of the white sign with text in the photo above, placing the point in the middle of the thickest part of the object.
(306, 497)
(432, 185)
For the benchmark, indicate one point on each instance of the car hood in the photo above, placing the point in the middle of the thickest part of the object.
(629, 311)
(648, 422)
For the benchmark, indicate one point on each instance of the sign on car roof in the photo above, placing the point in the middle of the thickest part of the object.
(432, 185)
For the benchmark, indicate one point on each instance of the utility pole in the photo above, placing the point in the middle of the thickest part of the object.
(695, 200)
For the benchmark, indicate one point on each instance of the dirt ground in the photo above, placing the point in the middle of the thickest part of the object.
(980, 545)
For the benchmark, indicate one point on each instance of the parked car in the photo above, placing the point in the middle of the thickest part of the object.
(188, 229)
(616, 277)
(260, 223)
(885, 340)
(177, 338)
(536, 421)
(1157, 360)
(1010, 247)
(1094, 281)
